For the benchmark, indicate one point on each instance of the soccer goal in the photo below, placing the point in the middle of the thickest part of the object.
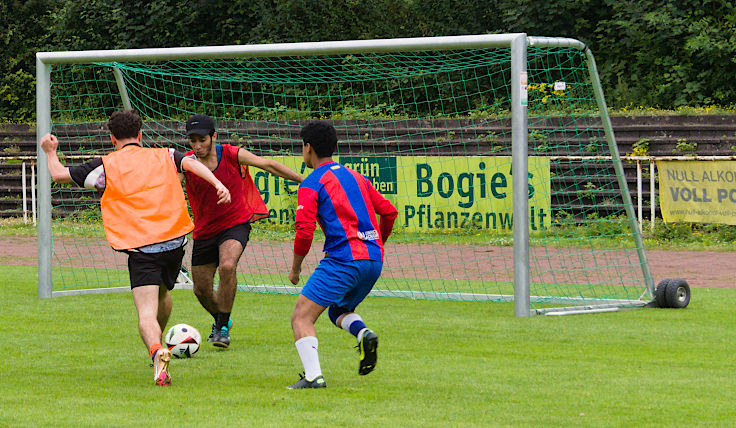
(497, 150)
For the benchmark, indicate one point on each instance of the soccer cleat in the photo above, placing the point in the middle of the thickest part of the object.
(368, 349)
(161, 374)
(222, 338)
(318, 382)
(214, 329)
(212, 334)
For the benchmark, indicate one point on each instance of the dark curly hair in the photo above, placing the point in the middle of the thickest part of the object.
(124, 124)
(321, 136)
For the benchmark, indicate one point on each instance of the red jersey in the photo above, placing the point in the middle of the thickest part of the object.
(246, 203)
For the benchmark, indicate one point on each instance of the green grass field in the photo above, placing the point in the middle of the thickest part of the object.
(78, 361)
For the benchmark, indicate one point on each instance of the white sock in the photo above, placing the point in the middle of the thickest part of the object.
(307, 349)
(349, 319)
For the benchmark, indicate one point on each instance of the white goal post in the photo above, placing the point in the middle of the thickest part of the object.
(518, 45)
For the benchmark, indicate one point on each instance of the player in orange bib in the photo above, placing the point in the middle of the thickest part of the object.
(144, 215)
(221, 233)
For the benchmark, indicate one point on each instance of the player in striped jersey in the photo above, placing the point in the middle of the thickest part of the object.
(345, 203)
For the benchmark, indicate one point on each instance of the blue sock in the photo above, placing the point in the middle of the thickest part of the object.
(356, 327)
(353, 323)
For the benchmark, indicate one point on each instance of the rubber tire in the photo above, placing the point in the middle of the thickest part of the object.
(677, 293)
(659, 293)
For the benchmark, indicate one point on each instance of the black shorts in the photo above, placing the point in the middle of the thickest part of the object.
(207, 251)
(155, 268)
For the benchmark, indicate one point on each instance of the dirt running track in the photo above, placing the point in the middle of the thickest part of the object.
(700, 268)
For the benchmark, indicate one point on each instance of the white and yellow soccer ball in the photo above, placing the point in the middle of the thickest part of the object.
(183, 340)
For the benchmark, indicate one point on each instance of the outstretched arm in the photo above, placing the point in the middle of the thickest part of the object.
(59, 173)
(196, 167)
(247, 158)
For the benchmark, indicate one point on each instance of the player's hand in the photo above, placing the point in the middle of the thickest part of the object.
(223, 194)
(49, 143)
(294, 276)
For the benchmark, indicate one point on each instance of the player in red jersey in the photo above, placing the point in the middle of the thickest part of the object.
(221, 233)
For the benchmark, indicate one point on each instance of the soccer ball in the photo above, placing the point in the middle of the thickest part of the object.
(183, 340)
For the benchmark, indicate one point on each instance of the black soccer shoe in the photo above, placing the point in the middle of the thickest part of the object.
(318, 382)
(368, 349)
(214, 331)
(221, 339)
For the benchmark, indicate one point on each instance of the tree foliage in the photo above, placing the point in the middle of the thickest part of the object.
(649, 53)
(669, 54)
(23, 31)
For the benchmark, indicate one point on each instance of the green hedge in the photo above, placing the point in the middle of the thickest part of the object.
(649, 54)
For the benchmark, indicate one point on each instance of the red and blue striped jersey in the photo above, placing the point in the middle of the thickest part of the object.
(345, 203)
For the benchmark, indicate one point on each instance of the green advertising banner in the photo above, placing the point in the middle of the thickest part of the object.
(430, 192)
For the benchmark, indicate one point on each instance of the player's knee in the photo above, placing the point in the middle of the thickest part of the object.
(335, 312)
(295, 319)
(228, 268)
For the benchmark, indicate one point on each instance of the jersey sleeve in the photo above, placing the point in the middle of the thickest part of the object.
(177, 157)
(90, 175)
(306, 218)
(385, 209)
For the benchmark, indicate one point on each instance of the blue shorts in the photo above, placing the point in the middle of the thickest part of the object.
(343, 284)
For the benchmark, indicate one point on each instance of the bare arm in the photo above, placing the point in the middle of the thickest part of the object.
(196, 167)
(59, 173)
(276, 168)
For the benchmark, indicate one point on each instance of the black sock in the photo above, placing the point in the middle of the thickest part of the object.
(215, 317)
(222, 319)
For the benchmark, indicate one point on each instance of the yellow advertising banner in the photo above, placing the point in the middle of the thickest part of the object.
(698, 191)
(430, 192)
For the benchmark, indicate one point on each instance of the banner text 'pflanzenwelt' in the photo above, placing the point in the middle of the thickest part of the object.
(430, 192)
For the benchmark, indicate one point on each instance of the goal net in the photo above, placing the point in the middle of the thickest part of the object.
(505, 172)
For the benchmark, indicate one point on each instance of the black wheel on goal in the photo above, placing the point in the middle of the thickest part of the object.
(677, 293)
(659, 293)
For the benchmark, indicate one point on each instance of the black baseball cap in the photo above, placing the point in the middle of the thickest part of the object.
(200, 124)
